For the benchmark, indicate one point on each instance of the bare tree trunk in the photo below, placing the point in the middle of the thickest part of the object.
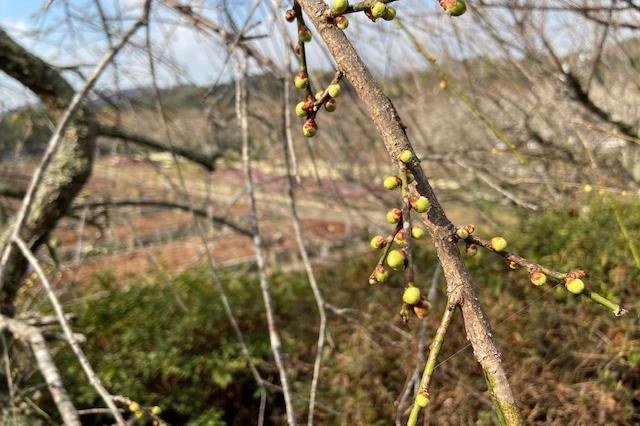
(460, 287)
(68, 171)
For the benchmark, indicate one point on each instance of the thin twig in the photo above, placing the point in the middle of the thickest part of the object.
(436, 345)
(317, 294)
(274, 337)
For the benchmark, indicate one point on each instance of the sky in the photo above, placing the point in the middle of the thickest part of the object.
(17, 9)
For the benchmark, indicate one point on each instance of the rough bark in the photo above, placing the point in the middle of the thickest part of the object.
(68, 171)
(460, 287)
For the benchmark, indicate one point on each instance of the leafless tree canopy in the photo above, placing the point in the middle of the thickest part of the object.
(154, 137)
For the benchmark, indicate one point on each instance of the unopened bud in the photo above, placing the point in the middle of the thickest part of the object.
(309, 128)
(342, 22)
(538, 278)
(290, 15)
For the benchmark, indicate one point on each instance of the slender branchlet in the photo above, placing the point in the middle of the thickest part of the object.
(538, 273)
(423, 398)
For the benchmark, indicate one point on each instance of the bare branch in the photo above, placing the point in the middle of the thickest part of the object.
(56, 139)
(459, 284)
(47, 367)
(70, 336)
(274, 337)
(141, 202)
(115, 132)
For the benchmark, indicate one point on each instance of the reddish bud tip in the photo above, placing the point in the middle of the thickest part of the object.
(378, 242)
(394, 216)
(290, 15)
(309, 128)
(538, 277)
(471, 249)
(342, 22)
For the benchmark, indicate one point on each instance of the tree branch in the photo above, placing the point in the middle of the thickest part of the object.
(115, 132)
(32, 335)
(69, 335)
(126, 202)
(67, 161)
(460, 287)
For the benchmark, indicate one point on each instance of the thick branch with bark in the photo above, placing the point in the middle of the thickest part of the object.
(67, 172)
(460, 287)
(67, 161)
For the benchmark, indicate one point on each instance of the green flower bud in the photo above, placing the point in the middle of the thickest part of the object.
(342, 22)
(334, 90)
(417, 232)
(380, 274)
(300, 109)
(309, 128)
(155, 410)
(462, 233)
(319, 94)
(378, 242)
(574, 285)
(538, 277)
(406, 156)
(339, 6)
(389, 14)
(134, 406)
(422, 400)
(304, 35)
(419, 204)
(391, 182)
(394, 216)
(300, 82)
(498, 244)
(378, 10)
(411, 295)
(395, 259)
(330, 105)
(454, 7)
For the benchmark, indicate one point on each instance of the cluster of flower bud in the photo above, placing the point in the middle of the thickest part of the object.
(395, 246)
(138, 411)
(381, 10)
(309, 106)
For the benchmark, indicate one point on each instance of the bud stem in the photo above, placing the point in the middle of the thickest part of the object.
(427, 374)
